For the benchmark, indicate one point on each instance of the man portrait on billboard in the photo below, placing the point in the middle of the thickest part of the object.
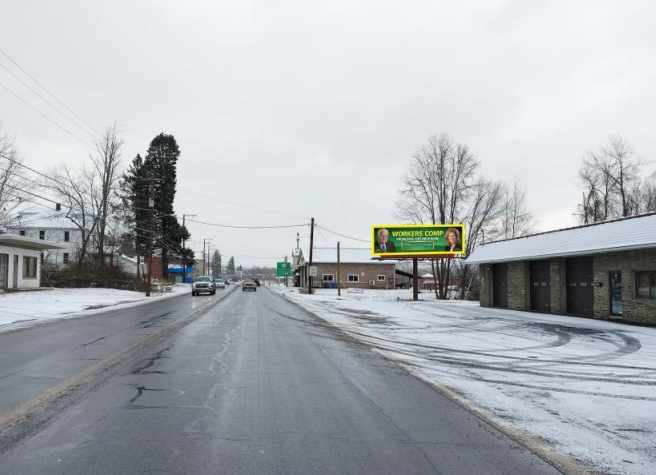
(383, 244)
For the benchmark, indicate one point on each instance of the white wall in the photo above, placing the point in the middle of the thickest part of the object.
(55, 256)
(22, 283)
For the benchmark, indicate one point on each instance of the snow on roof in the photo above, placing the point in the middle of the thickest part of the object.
(635, 232)
(346, 256)
(42, 219)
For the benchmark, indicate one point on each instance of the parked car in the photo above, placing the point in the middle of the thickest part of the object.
(203, 284)
(249, 285)
(220, 284)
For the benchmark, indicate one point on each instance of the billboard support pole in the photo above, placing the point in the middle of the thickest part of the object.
(339, 292)
(415, 279)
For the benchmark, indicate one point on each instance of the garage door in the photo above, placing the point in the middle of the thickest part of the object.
(4, 261)
(540, 283)
(580, 287)
(500, 285)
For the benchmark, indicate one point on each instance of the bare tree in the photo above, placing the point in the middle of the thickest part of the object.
(441, 187)
(76, 191)
(12, 184)
(515, 219)
(610, 178)
(105, 163)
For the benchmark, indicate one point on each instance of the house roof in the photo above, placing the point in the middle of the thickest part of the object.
(28, 243)
(33, 218)
(635, 232)
(346, 256)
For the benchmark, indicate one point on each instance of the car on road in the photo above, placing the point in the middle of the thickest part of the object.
(203, 284)
(248, 285)
(220, 284)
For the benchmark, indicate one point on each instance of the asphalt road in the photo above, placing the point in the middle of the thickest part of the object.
(250, 385)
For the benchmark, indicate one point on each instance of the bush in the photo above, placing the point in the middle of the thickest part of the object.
(90, 275)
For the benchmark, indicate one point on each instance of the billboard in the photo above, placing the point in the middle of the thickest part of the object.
(418, 240)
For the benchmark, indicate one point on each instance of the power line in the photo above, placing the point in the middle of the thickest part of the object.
(50, 93)
(342, 235)
(17, 162)
(242, 205)
(46, 117)
(248, 227)
(47, 101)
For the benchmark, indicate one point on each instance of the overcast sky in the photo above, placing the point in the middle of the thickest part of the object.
(291, 109)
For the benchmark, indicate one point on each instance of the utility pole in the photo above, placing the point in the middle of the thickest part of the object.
(184, 246)
(151, 205)
(204, 255)
(311, 245)
(339, 291)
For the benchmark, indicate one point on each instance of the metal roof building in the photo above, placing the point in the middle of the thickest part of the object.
(602, 270)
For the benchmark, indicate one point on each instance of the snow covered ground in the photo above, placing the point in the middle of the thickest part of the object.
(26, 308)
(583, 387)
(586, 388)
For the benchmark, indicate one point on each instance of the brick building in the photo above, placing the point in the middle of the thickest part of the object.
(357, 270)
(604, 270)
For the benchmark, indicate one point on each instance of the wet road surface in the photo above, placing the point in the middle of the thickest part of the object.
(255, 385)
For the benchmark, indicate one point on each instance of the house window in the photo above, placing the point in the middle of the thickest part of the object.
(353, 278)
(382, 278)
(42, 234)
(29, 267)
(66, 257)
(22, 233)
(327, 277)
(645, 284)
(67, 236)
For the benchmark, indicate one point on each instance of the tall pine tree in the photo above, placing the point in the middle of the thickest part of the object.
(158, 168)
(161, 164)
(134, 195)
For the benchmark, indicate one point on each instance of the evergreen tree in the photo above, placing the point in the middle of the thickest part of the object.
(231, 266)
(135, 213)
(161, 164)
(216, 263)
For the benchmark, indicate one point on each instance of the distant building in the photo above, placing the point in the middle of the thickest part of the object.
(357, 269)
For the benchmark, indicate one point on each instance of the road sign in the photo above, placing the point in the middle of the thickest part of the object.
(283, 269)
(313, 271)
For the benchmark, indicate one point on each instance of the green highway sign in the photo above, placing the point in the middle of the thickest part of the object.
(283, 269)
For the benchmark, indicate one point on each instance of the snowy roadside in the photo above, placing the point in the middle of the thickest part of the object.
(585, 388)
(28, 308)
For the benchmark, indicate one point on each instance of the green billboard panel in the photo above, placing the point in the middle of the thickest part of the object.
(418, 240)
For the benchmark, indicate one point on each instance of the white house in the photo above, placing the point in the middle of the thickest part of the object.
(20, 263)
(52, 226)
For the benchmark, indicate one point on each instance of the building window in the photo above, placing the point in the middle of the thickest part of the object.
(645, 284)
(327, 277)
(29, 267)
(353, 278)
(22, 233)
(67, 236)
(382, 278)
(66, 257)
(42, 234)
